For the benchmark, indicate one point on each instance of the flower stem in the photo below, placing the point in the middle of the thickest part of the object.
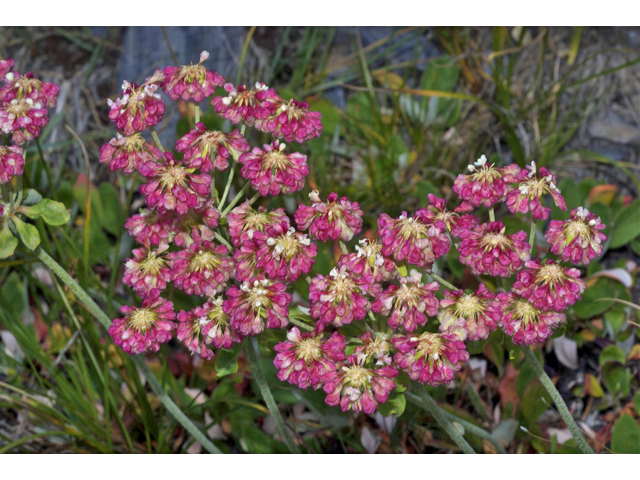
(557, 398)
(88, 302)
(301, 324)
(222, 240)
(428, 403)
(197, 113)
(443, 281)
(156, 139)
(47, 170)
(258, 376)
(532, 237)
(344, 248)
(492, 215)
(234, 201)
(227, 186)
(468, 426)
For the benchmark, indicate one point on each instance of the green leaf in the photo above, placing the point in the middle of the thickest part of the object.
(227, 361)
(533, 404)
(616, 378)
(395, 404)
(13, 296)
(330, 114)
(615, 318)
(590, 305)
(636, 402)
(525, 377)
(53, 213)
(627, 225)
(112, 219)
(612, 353)
(8, 242)
(625, 437)
(31, 197)
(27, 233)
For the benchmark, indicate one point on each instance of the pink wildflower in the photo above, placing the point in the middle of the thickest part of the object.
(244, 105)
(368, 262)
(549, 286)
(5, 67)
(291, 120)
(488, 250)
(23, 87)
(246, 261)
(144, 328)
(11, 162)
(472, 316)
(579, 239)
(148, 271)
(150, 227)
(456, 221)
(334, 219)
(272, 171)
(355, 387)
(430, 358)
(485, 184)
(201, 268)
(244, 221)
(139, 107)
(207, 325)
(209, 150)
(304, 358)
(254, 302)
(191, 82)
(23, 119)
(375, 347)
(196, 225)
(527, 196)
(413, 240)
(409, 303)
(129, 153)
(525, 323)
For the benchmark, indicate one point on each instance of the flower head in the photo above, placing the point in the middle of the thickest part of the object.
(144, 328)
(458, 221)
(272, 171)
(196, 225)
(368, 261)
(304, 358)
(485, 184)
(129, 153)
(209, 150)
(22, 119)
(579, 239)
(245, 105)
(244, 221)
(212, 326)
(525, 323)
(191, 82)
(488, 250)
(257, 304)
(409, 303)
(201, 268)
(150, 227)
(356, 387)
(331, 219)
(148, 271)
(411, 239)
(527, 196)
(431, 358)
(22, 87)
(375, 348)
(6, 66)
(472, 316)
(289, 119)
(11, 162)
(138, 108)
(549, 286)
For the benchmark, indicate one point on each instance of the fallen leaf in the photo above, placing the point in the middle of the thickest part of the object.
(566, 351)
(507, 387)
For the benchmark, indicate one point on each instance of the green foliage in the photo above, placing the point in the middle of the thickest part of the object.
(626, 435)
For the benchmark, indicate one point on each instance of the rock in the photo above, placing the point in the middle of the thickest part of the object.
(613, 128)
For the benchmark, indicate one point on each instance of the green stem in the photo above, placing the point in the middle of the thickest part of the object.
(222, 240)
(429, 404)
(443, 281)
(234, 201)
(300, 324)
(344, 248)
(156, 139)
(47, 170)
(227, 186)
(557, 398)
(137, 360)
(258, 376)
(197, 114)
(532, 236)
(492, 215)
(468, 426)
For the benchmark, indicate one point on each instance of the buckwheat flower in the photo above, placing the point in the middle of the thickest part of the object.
(196, 225)
(191, 82)
(138, 108)
(431, 358)
(272, 171)
(144, 328)
(129, 153)
(367, 261)
(201, 268)
(488, 250)
(11, 162)
(246, 261)
(357, 388)
(5, 67)
(22, 119)
(485, 184)
(339, 298)
(525, 323)
(244, 221)
(209, 150)
(22, 87)
(304, 358)
(256, 305)
(472, 316)
(283, 253)
(189, 332)
(291, 120)
(527, 196)
(150, 227)
(549, 286)
(172, 186)
(244, 105)
(579, 239)
(148, 271)
(375, 347)
(408, 304)
(458, 221)
(332, 219)
(411, 239)
(213, 324)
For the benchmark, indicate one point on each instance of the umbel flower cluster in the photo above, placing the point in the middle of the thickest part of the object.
(381, 316)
